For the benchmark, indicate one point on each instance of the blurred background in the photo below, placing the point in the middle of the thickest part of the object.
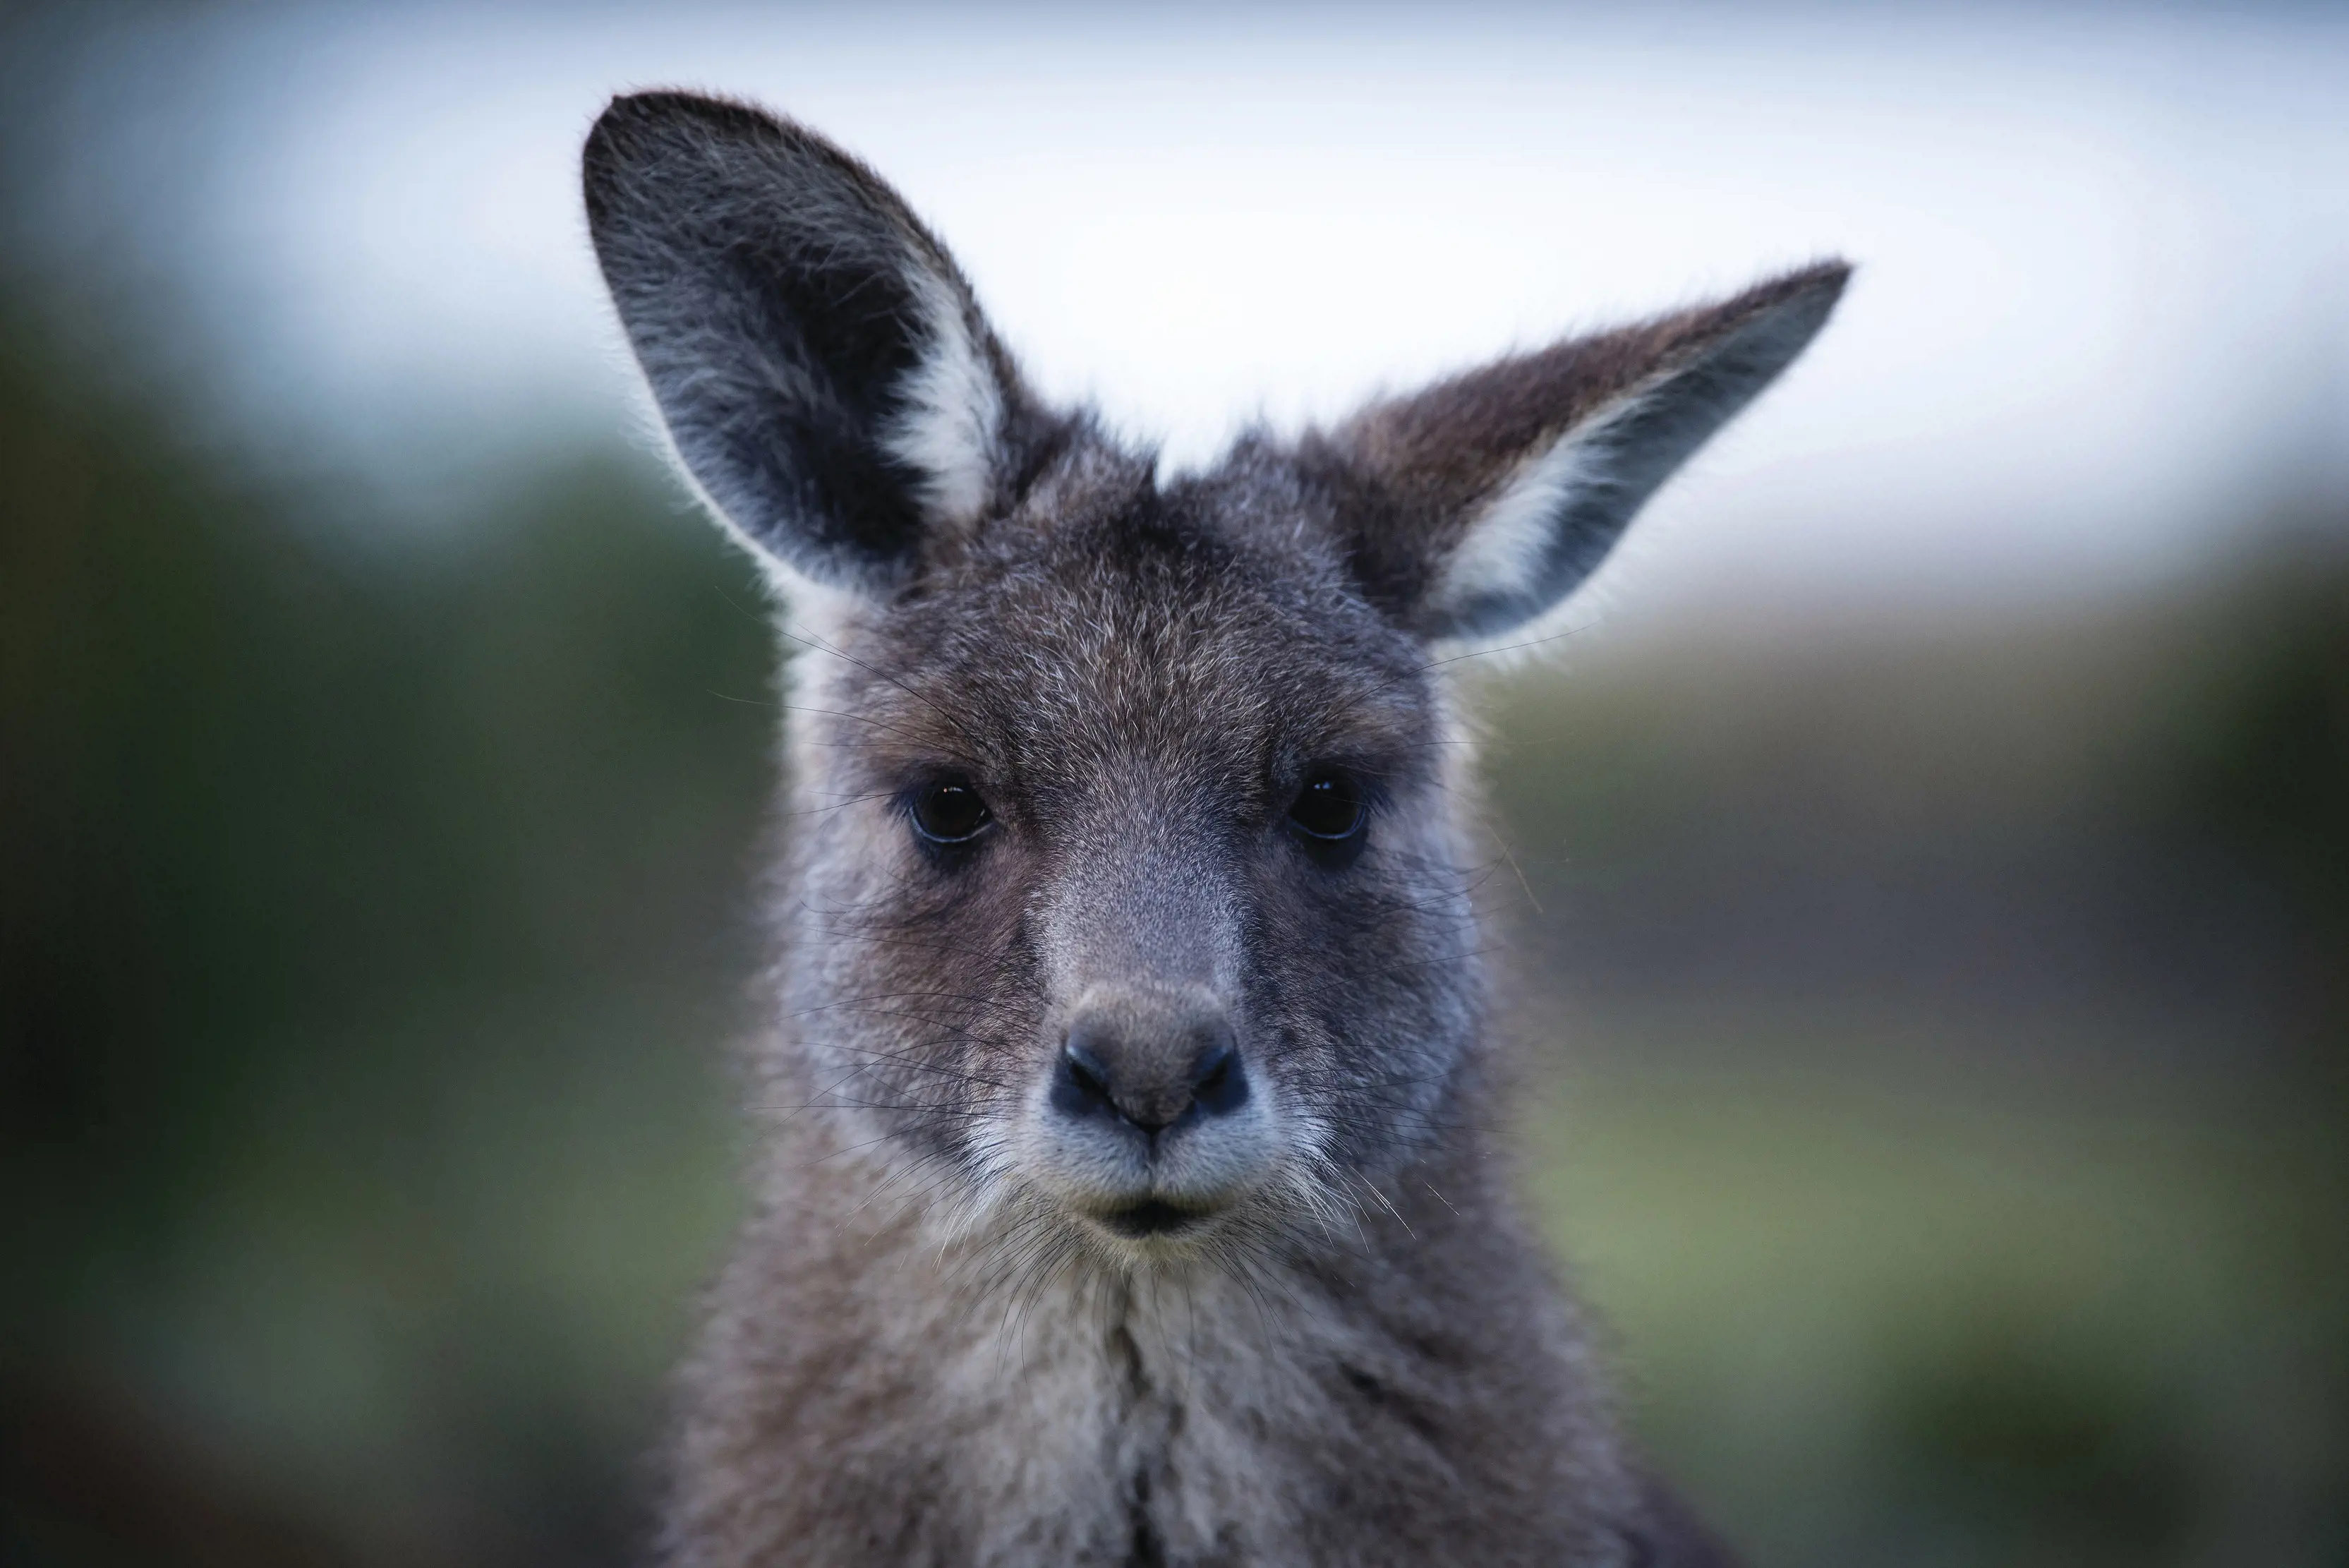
(1926, 866)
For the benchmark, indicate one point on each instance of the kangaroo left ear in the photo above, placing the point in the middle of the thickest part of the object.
(823, 370)
(1476, 505)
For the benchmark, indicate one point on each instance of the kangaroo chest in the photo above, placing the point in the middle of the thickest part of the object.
(1109, 1426)
(1198, 1421)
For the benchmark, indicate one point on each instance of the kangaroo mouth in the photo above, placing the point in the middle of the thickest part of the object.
(1151, 1218)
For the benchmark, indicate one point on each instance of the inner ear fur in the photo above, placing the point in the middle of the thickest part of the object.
(821, 363)
(1474, 506)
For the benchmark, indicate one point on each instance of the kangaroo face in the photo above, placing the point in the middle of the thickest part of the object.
(1150, 884)
(1128, 898)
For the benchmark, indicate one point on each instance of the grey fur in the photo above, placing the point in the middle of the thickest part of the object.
(942, 1338)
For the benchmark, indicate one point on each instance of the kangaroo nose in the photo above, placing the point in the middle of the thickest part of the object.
(1148, 1071)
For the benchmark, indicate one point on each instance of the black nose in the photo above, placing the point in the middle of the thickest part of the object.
(1151, 1071)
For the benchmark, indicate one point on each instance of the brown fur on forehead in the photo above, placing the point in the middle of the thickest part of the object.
(1209, 627)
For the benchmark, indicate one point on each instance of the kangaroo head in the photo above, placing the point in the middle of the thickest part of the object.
(1129, 897)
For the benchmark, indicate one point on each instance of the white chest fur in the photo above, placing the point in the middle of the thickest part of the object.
(1127, 1417)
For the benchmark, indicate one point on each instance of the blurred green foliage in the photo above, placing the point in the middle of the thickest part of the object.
(1948, 1313)
(1943, 1105)
(2267, 766)
(373, 907)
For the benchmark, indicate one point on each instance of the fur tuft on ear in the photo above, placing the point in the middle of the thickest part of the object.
(1476, 505)
(823, 368)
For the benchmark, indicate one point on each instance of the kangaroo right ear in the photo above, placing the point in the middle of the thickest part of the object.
(1478, 504)
(825, 373)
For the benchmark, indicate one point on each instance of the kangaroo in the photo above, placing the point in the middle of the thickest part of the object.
(1126, 1185)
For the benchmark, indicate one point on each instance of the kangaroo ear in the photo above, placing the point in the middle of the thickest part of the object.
(1474, 507)
(823, 370)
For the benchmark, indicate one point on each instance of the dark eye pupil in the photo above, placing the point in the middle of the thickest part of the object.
(1329, 806)
(949, 813)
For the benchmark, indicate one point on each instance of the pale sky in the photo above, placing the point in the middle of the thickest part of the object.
(2104, 257)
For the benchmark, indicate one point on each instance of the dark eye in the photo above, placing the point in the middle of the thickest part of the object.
(1329, 808)
(949, 812)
